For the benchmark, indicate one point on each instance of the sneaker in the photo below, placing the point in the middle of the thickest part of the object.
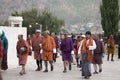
(70, 67)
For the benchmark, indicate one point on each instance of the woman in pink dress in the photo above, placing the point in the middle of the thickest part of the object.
(22, 53)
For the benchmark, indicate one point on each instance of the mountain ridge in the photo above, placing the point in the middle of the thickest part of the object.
(72, 11)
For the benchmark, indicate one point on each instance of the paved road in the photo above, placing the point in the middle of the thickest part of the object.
(111, 71)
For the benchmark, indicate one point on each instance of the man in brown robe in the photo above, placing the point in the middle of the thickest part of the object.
(36, 44)
(48, 48)
(110, 46)
(22, 53)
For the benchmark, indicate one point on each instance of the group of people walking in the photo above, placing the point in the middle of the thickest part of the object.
(83, 50)
(43, 47)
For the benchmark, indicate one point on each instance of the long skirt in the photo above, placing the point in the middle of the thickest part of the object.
(86, 66)
(4, 65)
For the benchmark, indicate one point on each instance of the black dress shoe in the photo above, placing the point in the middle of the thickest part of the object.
(45, 71)
(21, 73)
(112, 60)
(95, 72)
(64, 71)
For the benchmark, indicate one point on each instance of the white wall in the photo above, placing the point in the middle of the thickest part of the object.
(12, 34)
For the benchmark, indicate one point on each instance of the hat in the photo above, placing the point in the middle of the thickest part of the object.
(83, 36)
(88, 32)
(38, 30)
(47, 31)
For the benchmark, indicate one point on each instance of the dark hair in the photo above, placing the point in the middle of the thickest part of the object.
(88, 32)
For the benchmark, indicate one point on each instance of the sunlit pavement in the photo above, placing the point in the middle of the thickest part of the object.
(111, 71)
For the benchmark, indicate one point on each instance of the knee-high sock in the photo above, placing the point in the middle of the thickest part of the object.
(37, 62)
(40, 62)
(46, 65)
(112, 56)
(95, 67)
(108, 57)
(51, 63)
(77, 61)
(100, 66)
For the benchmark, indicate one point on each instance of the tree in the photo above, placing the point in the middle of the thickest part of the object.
(45, 18)
(110, 16)
(50, 22)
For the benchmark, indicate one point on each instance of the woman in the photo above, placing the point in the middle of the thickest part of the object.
(1, 54)
(22, 53)
(4, 64)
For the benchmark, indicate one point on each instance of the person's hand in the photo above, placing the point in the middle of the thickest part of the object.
(41, 51)
(22, 49)
(54, 51)
(72, 52)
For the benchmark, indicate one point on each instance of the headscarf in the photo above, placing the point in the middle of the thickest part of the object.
(3, 38)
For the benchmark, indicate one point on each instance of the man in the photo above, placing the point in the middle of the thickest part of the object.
(119, 50)
(66, 50)
(4, 65)
(86, 47)
(48, 49)
(56, 45)
(97, 56)
(110, 46)
(22, 53)
(36, 44)
(29, 41)
(79, 40)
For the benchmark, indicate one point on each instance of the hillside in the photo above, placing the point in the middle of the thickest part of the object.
(73, 11)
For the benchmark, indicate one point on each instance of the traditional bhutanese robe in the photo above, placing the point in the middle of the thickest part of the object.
(36, 44)
(29, 41)
(56, 42)
(97, 55)
(22, 55)
(86, 48)
(66, 48)
(111, 46)
(48, 44)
